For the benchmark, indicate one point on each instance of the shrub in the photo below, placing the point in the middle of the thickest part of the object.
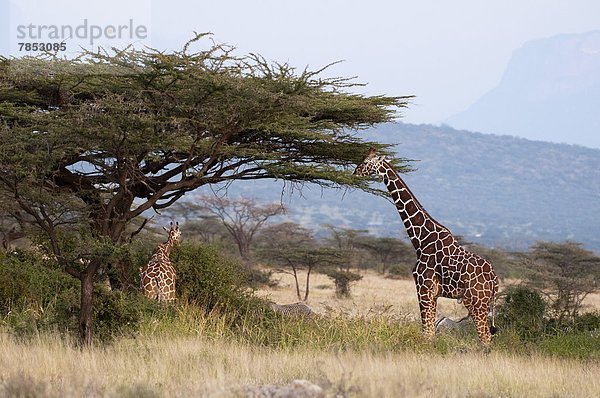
(118, 314)
(587, 322)
(522, 310)
(342, 281)
(257, 277)
(210, 280)
(37, 296)
(28, 280)
(574, 345)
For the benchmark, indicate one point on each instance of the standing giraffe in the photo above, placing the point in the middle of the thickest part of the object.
(444, 268)
(157, 278)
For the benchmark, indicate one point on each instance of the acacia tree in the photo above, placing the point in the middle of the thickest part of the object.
(90, 144)
(241, 217)
(347, 241)
(209, 230)
(291, 248)
(386, 250)
(565, 273)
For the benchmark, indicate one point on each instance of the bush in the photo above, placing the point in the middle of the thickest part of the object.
(210, 280)
(118, 314)
(28, 280)
(522, 310)
(588, 322)
(342, 281)
(36, 296)
(257, 277)
(574, 345)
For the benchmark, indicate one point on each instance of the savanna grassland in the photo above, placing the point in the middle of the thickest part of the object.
(200, 366)
(366, 346)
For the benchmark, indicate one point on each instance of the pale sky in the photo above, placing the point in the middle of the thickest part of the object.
(447, 53)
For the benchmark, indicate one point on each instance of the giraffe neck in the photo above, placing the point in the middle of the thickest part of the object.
(418, 223)
(165, 248)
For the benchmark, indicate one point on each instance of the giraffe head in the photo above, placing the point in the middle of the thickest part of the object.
(174, 233)
(370, 164)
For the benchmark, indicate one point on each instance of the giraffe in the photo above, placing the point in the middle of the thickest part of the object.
(157, 278)
(444, 268)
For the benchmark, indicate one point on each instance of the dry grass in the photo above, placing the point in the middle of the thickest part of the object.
(204, 360)
(199, 367)
(373, 293)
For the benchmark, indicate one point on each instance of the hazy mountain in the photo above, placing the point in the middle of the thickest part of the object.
(496, 190)
(550, 91)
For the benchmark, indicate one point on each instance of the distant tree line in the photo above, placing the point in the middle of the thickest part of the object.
(564, 273)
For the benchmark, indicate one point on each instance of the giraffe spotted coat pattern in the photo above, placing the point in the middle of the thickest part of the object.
(158, 277)
(444, 268)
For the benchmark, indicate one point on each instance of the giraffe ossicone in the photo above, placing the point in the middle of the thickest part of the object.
(157, 278)
(444, 268)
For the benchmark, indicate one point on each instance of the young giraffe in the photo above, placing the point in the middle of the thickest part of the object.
(158, 276)
(444, 268)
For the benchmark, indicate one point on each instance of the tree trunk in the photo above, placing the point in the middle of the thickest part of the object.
(87, 304)
(244, 249)
(297, 283)
(307, 290)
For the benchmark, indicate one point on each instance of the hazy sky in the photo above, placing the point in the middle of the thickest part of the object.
(447, 53)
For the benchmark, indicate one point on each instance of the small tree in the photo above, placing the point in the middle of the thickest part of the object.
(342, 280)
(566, 273)
(242, 218)
(347, 241)
(292, 248)
(386, 250)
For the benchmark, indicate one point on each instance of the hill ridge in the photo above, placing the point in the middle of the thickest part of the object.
(492, 189)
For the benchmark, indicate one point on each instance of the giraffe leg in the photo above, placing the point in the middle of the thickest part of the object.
(480, 318)
(428, 306)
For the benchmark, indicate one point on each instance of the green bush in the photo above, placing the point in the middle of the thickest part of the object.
(523, 311)
(587, 322)
(574, 345)
(33, 292)
(37, 296)
(118, 314)
(342, 281)
(209, 279)
(28, 280)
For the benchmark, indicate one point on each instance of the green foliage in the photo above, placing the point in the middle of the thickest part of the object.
(574, 345)
(36, 296)
(28, 280)
(117, 314)
(567, 273)
(342, 280)
(588, 322)
(522, 310)
(208, 279)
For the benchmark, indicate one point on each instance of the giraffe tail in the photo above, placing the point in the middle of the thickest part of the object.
(493, 328)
